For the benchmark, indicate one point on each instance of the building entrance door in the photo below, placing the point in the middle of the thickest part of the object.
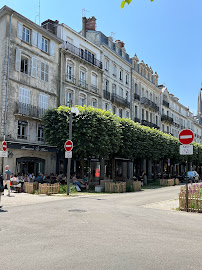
(29, 165)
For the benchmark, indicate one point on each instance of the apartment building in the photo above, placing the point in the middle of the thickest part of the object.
(29, 85)
(117, 69)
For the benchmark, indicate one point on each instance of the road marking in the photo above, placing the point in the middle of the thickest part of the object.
(186, 137)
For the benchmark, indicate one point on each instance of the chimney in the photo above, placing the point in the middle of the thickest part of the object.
(120, 43)
(91, 23)
(50, 25)
(84, 26)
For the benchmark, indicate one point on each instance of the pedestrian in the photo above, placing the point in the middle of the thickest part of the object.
(7, 178)
(1, 188)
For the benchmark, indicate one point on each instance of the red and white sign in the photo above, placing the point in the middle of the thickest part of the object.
(68, 145)
(4, 145)
(186, 136)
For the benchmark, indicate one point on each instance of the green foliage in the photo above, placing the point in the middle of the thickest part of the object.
(99, 133)
(128, 2)
(129, 187)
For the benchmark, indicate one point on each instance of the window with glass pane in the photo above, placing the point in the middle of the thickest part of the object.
(26, 35)
(106, 85)
(24, 101)
(69, 72)
(44, 45)
(142, 114)
(94, 103)
(127, 114)
(22, 129)
(114, 70)
(135, 111)
(120, 113)
(114, 88)
(151, 117)
(106, 106)
(24, 64)
(40, 133)
(127, 95)
(136, 88)
(147, 116)
(120, 92)
(106, 64)
(114, 110)
(43, 104)
(44, 72)
(121, 75)
(82, 100)
(69, 99)
(126, 78)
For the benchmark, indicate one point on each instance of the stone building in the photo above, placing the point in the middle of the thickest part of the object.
(29, 57)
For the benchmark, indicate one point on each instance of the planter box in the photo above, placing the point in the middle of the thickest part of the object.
(177, 182)
(115, 187)
(167, 182)
(137, 185)
(49, 189)
(30, 187)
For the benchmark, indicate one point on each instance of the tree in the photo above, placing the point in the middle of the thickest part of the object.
(128, 2)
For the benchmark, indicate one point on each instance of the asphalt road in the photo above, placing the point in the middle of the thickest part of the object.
(112, 231)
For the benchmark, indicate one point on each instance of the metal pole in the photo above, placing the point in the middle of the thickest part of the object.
(69, 159)
(186, 188)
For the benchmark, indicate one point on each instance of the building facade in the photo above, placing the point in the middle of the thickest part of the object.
(29, 86)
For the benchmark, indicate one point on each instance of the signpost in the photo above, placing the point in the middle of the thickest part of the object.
(4, 146)
(186, 137)
(68, 146)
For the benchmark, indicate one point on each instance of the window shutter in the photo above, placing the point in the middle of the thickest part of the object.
(42, 71)
(19, 30)
(24, 95)
(34, 67)
(18, 59)
(34, 38)
(46, 72)
(39, 41)
(52, 48)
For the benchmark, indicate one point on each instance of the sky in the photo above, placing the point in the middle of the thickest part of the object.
(165, 34)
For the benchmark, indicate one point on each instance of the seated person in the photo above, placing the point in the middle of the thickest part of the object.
(75, 181)
(85, 181)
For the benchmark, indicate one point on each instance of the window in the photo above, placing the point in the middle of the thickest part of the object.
(43, 104)
(142, 92)
(94, 103)
(127, 78)
(121, 75)
(24, 64)
(136, 112)
(69, 98)
(24, 101)
(94, 82)
(106, 85)
(151, 96)
(114, 110)
(127, 114)
(44, 45)
(142, 114)
(121, 92)
(70, 71)
(163, 127)
(22, 129)
(26, 34)
(82, 100)
(106, 106)
(114, 70)
(114, 88)
(120, 113)
(167, 129)
(127, 96)
(156, 120)
(147, 116)
(40, 133)
(151, 117)
(106, 64)
(147, 94)
(44, 72)
(136, 89)
(83, 79)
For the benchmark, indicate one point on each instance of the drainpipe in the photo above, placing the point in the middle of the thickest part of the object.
(6, 102)
(60, 77)
(131, 96)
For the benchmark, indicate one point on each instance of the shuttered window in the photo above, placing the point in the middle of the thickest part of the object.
(44, 72)
(18, 60)
(24, 95)
(34, 38)
(43, 101)
(19, 30)
(34, 67)
(52, 48)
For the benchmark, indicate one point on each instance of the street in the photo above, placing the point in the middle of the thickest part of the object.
(104, 231)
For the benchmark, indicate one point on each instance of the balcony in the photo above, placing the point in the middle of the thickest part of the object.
(166, 118)
(83, 84)
(70, 78)
(120, 100)
(94, 89)
(149, 103)
(149, 124)
(83, 55)
(165, 103)
(136, 97)
(29, 110)
(106, 94)
(136, 120)
(176, 125)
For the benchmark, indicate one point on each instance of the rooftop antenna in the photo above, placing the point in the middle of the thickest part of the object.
(112, 34)
(84, 11)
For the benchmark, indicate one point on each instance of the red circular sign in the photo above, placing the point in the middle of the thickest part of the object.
(186, 136)
(68, 145)
(4, 145)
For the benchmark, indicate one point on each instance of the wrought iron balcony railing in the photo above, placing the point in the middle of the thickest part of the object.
(94, 89)
(120, 100)
(106, 94)
(136, 97)
(149, 103)
(83, 84)
(70, 78)
(29, 110)
(83, 55)
(165, 103)
(149, 124)
(136, 120)
(166, 118)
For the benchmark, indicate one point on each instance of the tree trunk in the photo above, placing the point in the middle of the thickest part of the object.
(82, 167)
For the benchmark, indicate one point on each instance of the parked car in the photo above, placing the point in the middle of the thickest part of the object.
(192, 176)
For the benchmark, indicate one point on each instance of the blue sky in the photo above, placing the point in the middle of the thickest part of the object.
(166, 34)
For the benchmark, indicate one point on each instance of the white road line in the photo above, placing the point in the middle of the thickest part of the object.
(186, 137)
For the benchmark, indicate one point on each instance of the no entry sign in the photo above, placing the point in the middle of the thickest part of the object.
(4, 146)
(68, 146)
(186, 136)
